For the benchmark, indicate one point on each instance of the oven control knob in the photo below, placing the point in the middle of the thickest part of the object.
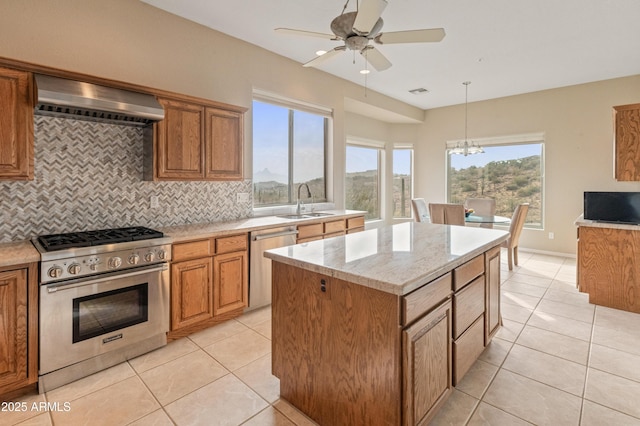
(114, 262)
(55, 272)
(149, 257)
(134, 259)
(74, 269)
(162, 255)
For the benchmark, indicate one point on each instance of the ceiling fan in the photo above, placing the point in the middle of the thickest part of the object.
(357, 28)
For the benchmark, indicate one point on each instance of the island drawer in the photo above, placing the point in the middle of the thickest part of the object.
(192, 250)
(467, 349)
(468, 305)
(231, 243)
(427, 297)
(465, 273)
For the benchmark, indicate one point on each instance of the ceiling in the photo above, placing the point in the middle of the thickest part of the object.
(504, 47)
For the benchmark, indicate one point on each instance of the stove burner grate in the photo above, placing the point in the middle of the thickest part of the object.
(98, 237)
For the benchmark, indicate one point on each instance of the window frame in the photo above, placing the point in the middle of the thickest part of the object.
(512, 140)
(380, 147)
(410, 148)
(294, 105)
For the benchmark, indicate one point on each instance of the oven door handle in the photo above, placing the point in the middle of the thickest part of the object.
(81, 282)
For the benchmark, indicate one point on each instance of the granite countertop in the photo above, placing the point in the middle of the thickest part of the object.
(18, 252)
(581, 221)
(396, 259)
(206, 230)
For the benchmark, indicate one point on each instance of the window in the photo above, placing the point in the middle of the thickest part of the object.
(362, 180)
(511, 173)
(289, 148)
(402, 182)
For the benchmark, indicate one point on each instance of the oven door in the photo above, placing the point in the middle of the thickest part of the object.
(84, 318)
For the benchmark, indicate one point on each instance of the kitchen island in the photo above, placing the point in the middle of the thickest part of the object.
(376, 327)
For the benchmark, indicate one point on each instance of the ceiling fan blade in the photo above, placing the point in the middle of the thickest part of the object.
(375, 58)
(369, 12)
(323, 58)
(305, 33)
(411, 36)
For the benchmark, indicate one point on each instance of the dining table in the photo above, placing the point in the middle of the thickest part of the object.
(494, 219)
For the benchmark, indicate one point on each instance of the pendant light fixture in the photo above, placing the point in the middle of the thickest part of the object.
(466, 147)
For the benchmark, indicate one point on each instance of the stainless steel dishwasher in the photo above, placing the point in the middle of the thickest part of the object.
(260, 266)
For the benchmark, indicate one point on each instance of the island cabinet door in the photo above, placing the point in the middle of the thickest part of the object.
(336, 348)
(492, 293)
(426, 347)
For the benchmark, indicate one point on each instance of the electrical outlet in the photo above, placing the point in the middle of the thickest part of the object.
(153, 202)
(242, 197)
(551, 236)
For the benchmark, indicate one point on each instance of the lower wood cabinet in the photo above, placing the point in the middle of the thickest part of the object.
(427, 366)
(191, 292)
(329, 228)
(608, 266)
(209, 282)
(18, 327)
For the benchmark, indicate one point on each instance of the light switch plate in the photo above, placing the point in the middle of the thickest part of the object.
(153, 202)
(242, 197)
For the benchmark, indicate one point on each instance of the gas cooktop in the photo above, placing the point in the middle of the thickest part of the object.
(95, 238)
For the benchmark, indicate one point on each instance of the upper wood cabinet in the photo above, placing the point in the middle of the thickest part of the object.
(196, 141)
(16, 125)
(627, 142)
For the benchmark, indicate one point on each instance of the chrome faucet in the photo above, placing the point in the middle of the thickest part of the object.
(299, 203)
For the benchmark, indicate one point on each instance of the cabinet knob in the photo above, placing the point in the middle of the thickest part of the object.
(323, 286)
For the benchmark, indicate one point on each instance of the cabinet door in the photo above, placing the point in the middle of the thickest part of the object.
(426, 352)
(492, 296)
(13, 327)
(179, 141)
(230, 282)
(223, 146)
(627, 140)
(191, 292)
(16, 125)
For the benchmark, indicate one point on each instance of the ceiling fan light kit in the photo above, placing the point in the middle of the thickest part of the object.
(357, 29)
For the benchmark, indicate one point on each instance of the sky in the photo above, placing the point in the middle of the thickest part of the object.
(494, 153)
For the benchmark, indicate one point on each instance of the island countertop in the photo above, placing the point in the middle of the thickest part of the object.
(395, 259)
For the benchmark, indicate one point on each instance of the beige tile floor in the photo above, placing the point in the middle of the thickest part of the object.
(557, 360)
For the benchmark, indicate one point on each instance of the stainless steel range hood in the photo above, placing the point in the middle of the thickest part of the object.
(86, 101)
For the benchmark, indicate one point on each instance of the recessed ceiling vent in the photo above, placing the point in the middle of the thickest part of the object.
(418, 91)
(60, 97)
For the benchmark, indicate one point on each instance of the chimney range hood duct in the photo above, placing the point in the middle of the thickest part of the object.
(60, 97)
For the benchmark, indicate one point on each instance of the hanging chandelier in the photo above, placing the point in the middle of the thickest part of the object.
(466, 147)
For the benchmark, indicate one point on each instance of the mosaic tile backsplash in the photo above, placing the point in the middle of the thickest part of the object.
(89, 176)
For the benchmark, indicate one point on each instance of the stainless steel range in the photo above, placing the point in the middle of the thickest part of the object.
(104, 298)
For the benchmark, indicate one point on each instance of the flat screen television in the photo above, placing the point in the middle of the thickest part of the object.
(619, 207)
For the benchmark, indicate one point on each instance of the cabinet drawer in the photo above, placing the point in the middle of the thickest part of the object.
(355, 222)
(467, 349)
(464, 274)
(307, 231)
(425, 298)
(192, 250)
(334, 226)
(468, 304)
(231, 244)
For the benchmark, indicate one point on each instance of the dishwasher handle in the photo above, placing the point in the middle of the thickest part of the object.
(274, 234)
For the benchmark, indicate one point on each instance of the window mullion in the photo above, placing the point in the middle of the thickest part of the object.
(291, 183)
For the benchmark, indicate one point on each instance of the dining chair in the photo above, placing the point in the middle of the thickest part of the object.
(447, 214)
(482, 207)
(515, 229)
(420, 211)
